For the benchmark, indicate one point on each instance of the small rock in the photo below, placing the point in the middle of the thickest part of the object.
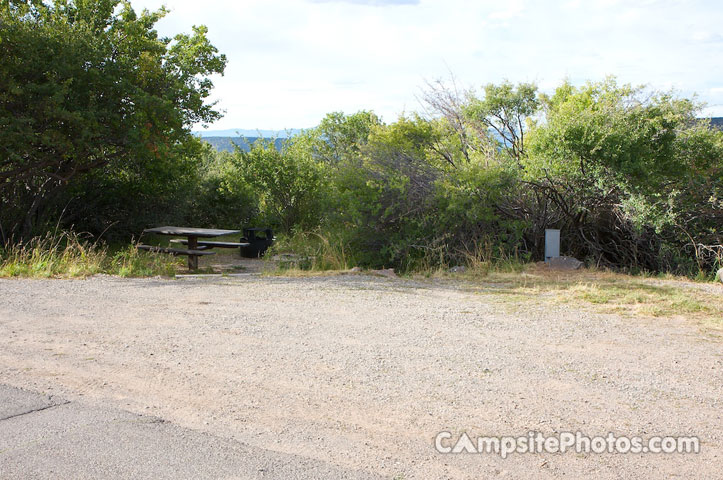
(387, 272)
(287, 257)
(565, 263)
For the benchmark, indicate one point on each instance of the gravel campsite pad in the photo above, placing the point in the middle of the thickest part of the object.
(363, 372)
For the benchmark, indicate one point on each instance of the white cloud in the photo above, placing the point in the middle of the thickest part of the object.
(291, 62)
(573, 4)
(707, 37)
(713, 111)
(513, 8)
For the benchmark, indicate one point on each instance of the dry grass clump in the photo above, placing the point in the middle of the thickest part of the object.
(67, 254)
(610, 292)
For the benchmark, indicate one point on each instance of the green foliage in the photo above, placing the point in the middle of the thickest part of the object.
(618, 133)
(95, 110)
(399, 201)
(471, 200)
(119, 201)
(131, 262)
(632, 178)
(196, 186)
(66, 254)
(222, 198)
(288, 183)
(505, 109)
(634, 173)
(383, 195)
(51, 255)
(339, 137)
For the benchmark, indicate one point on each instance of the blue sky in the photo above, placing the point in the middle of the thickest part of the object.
(293, 61)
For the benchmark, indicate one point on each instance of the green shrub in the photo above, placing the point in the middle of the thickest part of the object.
(222, 198)
(289, 183)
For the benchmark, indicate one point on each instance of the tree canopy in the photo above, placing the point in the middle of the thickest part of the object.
(89, 84)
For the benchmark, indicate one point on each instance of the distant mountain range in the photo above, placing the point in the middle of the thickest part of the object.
(228, 144)
(226, 140)
(240, 132)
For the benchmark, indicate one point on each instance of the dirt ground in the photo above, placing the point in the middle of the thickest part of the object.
(363, 372)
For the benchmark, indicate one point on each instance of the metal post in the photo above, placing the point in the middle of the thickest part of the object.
(552, 244)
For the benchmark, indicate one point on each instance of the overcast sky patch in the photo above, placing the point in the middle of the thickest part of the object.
(373, 3)
(292, 62)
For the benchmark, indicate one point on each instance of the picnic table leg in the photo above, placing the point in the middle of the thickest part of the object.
(192, 259)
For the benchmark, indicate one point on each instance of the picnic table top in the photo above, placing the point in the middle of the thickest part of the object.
(190, 231)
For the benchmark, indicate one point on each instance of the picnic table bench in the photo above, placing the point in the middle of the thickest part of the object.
(195, 248)
(175, 251)
(212, 244)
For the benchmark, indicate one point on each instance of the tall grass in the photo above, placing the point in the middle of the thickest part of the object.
(314, 251)
(485, 257)
(310, 251)
(67, 254)
(131, 262)
(478, 260)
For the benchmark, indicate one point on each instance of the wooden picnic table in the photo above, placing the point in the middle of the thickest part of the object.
(192, 234)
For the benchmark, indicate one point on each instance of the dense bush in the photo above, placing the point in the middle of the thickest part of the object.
(222, 198)
(631, 177)
(634, 179)
(289, 184)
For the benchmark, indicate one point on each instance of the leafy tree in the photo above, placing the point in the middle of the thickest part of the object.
(88, 85)
(120, 200)
(339, 137)
(486, 126)
(505, 109)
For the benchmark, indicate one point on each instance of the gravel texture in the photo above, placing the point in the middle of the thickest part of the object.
(362, 372)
